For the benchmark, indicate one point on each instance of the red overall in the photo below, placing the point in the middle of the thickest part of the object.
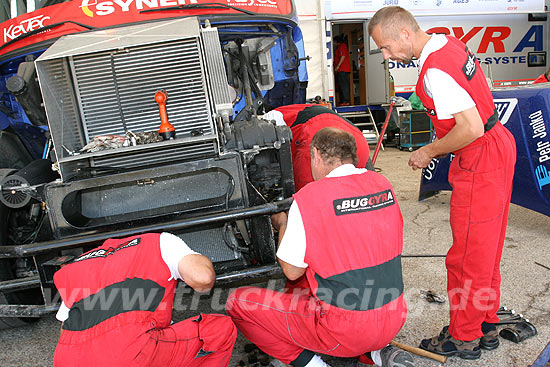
(120, 302)
(305, 120)
(354, 239)
(541, 79)
(481, 176)
(342, 52)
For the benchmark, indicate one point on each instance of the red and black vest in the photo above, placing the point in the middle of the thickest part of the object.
(543, 78)
(305, 120)
(353, 249)
(462, 65)
(124, 281)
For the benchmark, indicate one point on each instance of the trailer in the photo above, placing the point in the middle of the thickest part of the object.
(511, 41)
(120, 118)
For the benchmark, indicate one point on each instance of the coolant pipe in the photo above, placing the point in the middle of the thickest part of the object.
(381, 137)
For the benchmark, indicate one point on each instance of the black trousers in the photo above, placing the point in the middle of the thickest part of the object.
(342, 84)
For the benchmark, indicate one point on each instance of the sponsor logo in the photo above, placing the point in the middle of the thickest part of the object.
(27, 25)
(365, 203)
(543, 176)
(106, 252)
(497, 38)
(92, 8)
(100, 8)
(270, 3)
(505, 107)
(536, 121)
(469, 68)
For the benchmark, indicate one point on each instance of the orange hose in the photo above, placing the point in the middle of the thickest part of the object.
(165, 127)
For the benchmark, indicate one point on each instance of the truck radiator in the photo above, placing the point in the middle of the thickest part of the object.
(104, 83)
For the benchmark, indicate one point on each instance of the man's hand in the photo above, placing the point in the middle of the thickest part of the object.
(279, 221)
(421, 157)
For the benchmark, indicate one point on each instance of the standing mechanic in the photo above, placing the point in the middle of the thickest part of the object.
(342, 69)
(455, 94)
(117, 307)
(305, 120)
(345, 233)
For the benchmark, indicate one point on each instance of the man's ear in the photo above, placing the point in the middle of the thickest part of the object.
(405, 33)
(316, 155)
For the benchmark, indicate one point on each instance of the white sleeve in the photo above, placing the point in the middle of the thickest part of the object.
(63, 312)
(449, 97)
(172, 250)
(292, 249)
(275, 115)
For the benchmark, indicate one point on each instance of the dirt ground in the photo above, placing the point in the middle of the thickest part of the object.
(525, 285)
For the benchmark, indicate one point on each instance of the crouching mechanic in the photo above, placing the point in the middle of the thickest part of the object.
(117, 307)
(345, 233)
(304, 121)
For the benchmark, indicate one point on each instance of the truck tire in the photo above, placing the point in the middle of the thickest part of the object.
(263, 241)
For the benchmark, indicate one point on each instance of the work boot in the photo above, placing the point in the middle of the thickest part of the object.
(446, 345)
(394, 357)
(489, 340)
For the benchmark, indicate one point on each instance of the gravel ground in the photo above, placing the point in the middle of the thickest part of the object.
(525, 285)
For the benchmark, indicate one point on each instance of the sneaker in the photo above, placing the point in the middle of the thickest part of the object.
(446, 345)
(394, 357)
(489, 340)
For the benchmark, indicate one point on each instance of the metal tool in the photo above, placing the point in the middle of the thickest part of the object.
(419, 351)
(512, 320)
(505, 311)
(166, 130)
(381, 137)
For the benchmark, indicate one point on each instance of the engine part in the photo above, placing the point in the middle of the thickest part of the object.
(25, 88)
(18, 187)
(74, 68)
(519, 332)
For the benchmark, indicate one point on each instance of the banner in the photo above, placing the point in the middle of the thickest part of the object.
(80, 15)
(353, 9)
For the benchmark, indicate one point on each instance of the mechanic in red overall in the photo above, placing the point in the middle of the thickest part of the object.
(345, 233)
(342, 68)
(117, 307)
(305, 120)
(543, 78)
(456, 96)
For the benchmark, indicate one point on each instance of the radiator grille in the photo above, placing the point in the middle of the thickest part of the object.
(62, 111)
(116, 89)
(101, 83)
(211, 243)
